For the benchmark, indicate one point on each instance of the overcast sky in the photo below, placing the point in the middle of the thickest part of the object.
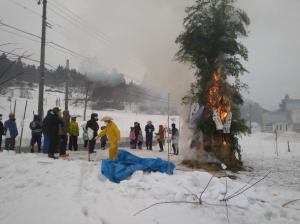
(136, 37)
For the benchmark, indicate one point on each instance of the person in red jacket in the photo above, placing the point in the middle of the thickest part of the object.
(161, 137)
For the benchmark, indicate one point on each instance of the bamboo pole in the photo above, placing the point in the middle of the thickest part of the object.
(168, 134)
(22, 125)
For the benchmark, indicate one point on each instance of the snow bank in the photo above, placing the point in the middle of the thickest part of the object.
(35, 189)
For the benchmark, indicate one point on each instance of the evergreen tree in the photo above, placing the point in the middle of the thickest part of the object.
(211, 44)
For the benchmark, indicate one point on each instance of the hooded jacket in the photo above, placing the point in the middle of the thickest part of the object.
(10, 128)
(92, 124)
(36, 125)
(74, 128)
(149, 129)
(112, 132)
(53, 124)
(63, 130)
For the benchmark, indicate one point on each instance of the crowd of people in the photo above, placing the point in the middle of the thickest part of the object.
(61, 131)
(137, 139)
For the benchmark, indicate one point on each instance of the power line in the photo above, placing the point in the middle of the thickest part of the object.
(25, 57)
(16, 34)
(36, 36)
(78, 25)
(50, 23)
(38, 42)
(17, 29)
(64, 48)
(25, 7)
(78, 18)
(32, 11)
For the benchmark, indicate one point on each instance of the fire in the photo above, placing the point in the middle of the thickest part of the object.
(216, 101)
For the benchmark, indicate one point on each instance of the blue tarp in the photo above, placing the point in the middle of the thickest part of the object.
(127, 164)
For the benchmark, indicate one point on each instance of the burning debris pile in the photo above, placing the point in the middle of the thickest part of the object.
(210, 43)
(213, 139)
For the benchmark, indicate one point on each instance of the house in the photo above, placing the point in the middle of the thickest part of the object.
(287, 118)
(277, 120)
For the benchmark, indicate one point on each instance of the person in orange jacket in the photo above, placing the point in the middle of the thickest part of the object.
(161, 137)
(113, 134)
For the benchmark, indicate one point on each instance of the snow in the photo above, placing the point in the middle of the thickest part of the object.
(35, 189)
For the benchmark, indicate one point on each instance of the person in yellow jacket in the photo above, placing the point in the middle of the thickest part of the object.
(73, 133)
(113, 134)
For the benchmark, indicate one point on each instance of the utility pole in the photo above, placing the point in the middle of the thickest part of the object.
(168, 134)
(42, 60)
(67, 86)
(250, 118)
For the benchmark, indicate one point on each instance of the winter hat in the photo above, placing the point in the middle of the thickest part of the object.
(107, 118)
(36, 117)
(94, 116)
(66, 113)
(55, 110)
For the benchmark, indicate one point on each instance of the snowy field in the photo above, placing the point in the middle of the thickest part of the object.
(34, 190)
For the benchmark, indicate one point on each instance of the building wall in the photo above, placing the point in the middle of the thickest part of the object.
(295, 116)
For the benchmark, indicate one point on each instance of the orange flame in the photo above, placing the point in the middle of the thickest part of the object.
(217, 101)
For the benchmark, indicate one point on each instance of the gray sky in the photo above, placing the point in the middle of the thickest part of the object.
(139, 41)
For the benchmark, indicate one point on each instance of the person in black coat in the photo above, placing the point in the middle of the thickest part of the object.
(149, 129)
(52, 129)
(1, 130)
(45, 124)
(137, 131)
(93, 125)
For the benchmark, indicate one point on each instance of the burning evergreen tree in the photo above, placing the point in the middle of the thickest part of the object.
(210, 43)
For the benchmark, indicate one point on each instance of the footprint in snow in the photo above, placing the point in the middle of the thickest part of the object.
(85, 211)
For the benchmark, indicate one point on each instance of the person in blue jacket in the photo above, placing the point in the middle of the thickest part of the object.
(11, 132)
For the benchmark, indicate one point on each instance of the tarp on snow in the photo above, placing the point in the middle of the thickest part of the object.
(127, 164)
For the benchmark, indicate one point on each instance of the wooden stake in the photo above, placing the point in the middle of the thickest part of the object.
(276, 141)
(15, 106)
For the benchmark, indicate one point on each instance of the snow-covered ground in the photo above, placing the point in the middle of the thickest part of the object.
(35, 189)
